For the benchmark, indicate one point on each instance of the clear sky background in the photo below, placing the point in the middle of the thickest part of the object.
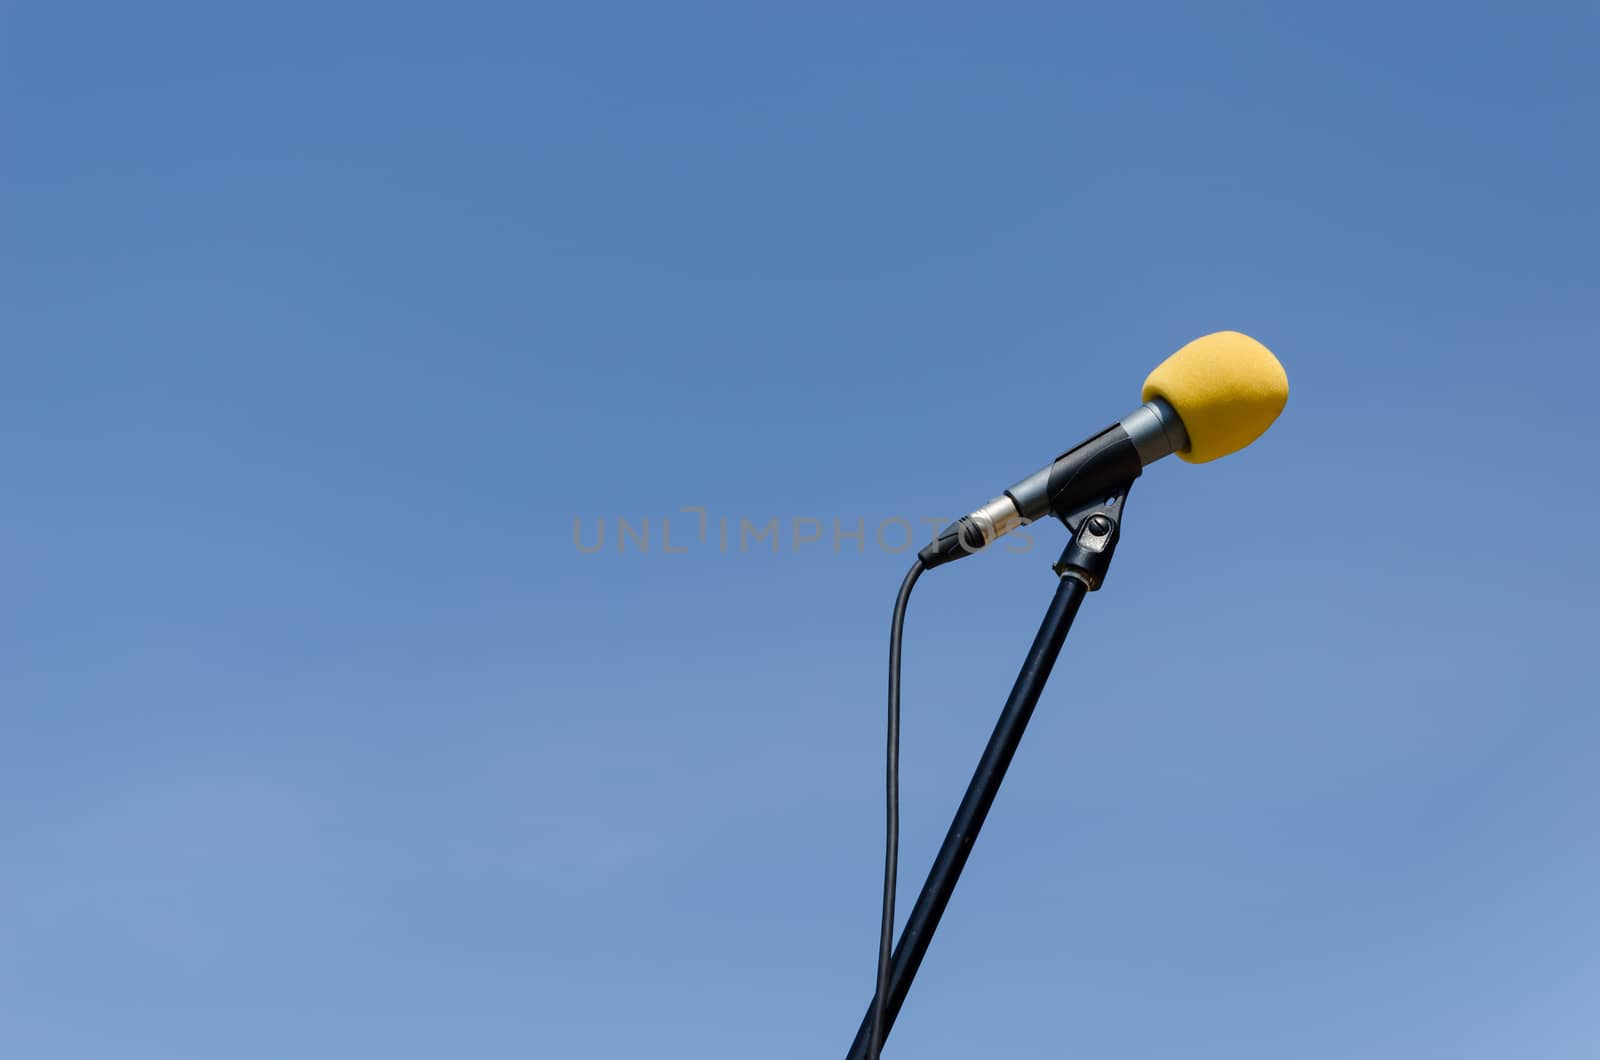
(319, 738)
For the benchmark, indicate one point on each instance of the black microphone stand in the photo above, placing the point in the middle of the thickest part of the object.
(1081, 569)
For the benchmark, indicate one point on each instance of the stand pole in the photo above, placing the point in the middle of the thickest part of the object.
(941, 882)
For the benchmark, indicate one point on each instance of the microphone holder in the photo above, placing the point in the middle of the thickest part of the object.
(1081, 569)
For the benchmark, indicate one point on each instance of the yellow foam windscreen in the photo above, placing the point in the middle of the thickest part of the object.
(1227, 389)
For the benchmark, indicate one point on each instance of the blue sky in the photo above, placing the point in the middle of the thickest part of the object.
(323, 323)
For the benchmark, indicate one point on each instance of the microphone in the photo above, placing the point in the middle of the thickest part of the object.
(1213, 397)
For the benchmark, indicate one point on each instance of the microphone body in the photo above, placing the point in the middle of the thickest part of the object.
(1085, 474)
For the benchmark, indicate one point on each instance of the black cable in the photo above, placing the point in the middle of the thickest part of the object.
(891, 854)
